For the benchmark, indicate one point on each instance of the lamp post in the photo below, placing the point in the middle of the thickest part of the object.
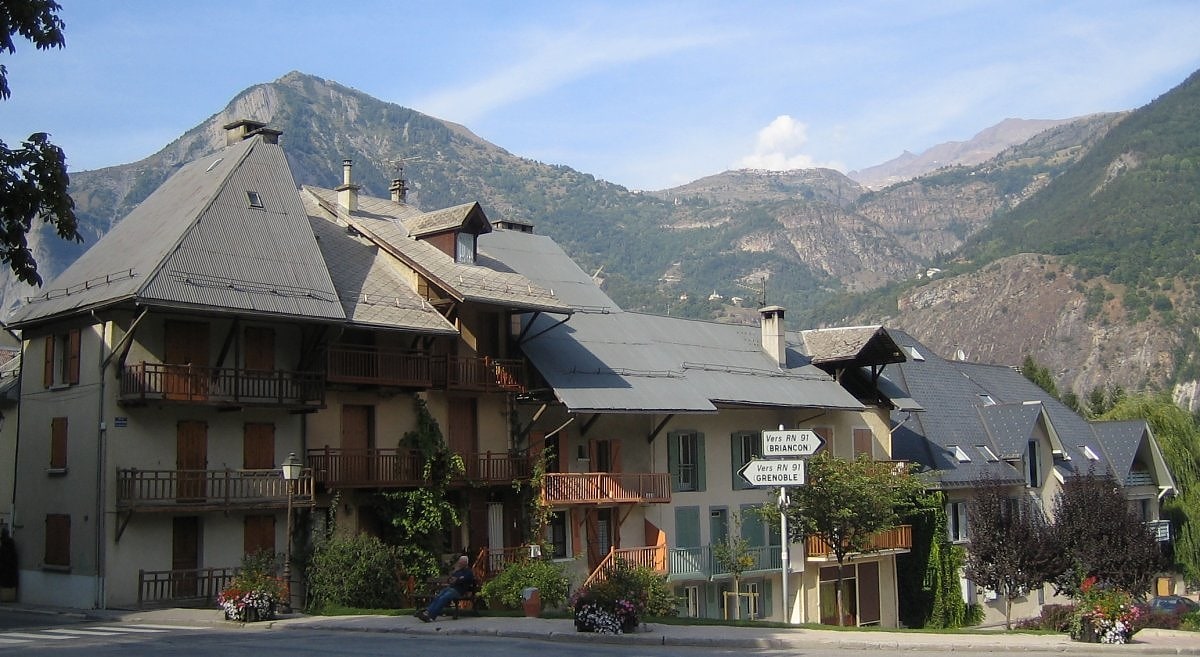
(291, 472)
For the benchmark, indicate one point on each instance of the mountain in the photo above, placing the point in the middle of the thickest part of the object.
(977, 150)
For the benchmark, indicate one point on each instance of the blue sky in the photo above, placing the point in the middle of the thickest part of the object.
(643, 94)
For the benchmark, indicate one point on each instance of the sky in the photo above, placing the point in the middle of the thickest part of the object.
(647, 94)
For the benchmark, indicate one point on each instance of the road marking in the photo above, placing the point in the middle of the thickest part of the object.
(123, 628)
(165, 627)
(5, 640)
(26, 635)
(82, 632)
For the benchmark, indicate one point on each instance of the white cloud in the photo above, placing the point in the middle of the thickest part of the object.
(778, 147)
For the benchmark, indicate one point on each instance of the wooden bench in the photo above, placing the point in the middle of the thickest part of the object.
(469, 601)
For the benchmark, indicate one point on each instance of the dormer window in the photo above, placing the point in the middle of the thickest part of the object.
(464, 249)
(254, 199)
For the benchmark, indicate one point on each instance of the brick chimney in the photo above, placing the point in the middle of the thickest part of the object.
(773, 339)
(247, 128)
(348, 191)
(399, 190)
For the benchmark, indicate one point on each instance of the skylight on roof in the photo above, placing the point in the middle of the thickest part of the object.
(214, 164)
(914, 354)
(961, 455)
(1088, 452)
(987, 453)
(986, 399)
(255, 199)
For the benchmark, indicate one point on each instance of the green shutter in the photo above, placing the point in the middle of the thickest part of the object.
(673, 459)
(752, 525)
(735, 460)
(764, 606)
(687, 526)
(700, 469)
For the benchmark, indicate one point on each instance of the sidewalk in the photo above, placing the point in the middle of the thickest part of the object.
(1146, 642)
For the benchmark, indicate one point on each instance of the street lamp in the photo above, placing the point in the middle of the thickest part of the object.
(291, 472)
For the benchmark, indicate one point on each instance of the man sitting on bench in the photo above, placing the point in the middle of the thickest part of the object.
(461, 581)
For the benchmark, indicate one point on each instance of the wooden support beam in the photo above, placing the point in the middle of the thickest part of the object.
(588, 425)
(659, 428)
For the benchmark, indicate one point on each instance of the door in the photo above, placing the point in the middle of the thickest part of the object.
(463, 433)
(191, 460)
(185, 357)
(185, 556)
(358, 441)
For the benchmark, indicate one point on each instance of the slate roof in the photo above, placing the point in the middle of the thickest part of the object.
(860, 344)
(608, 360)
(196, 242)
(438, 221)
(477, 283)
(1122, 440)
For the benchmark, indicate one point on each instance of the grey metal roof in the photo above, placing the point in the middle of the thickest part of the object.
(629, 362)
(478, 283)
(542, 260)
(373, 293)
(196, 242)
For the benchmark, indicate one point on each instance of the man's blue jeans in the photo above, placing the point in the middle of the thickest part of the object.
(439, 603)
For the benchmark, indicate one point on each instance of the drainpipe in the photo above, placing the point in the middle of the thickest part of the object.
(101, 468)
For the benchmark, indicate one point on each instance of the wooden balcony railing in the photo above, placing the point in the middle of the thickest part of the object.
(699, 562)
(384, 367)
(896, 538)
(606, 487)
(337, 467)
(493, 560)
(173, 490)
(653, 557)
(479, 374)
(177, 588)
(221, 386)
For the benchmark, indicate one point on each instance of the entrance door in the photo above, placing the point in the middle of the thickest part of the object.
(185, 556)
(191, 460)
(185, 356)
(358, 441)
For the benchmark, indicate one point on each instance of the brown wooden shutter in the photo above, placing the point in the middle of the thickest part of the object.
(259, 534)
(73, 347)
(48, 367)
(260, 348)
(862, 442)
(258, 446)
(58, 443)
(58, 540)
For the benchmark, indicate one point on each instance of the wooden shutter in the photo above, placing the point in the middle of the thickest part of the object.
(868, 593)
(258, 446)
(73, 347)
(862, 443)
(463, 429)
(258, 533)
(58, 443)
(191, 458)
(58, 540)
(259, 348)
(48, 365)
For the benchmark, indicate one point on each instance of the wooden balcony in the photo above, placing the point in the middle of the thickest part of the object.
(484, 374)
(896, 538)
(393, 468)
(197, 587)
(187, 491)
(382, 367)
(144, 382)
(563, 488)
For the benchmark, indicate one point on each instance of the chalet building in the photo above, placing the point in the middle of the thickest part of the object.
(989, 421)
(648, 419)
(228, 322)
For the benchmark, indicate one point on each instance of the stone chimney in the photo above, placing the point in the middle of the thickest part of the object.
(348, 191)
(399, 190)
(247, 128)
(774, 341)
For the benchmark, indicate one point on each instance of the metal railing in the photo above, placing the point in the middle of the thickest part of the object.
(166, 489)
(199, 587)
(610, 487)
(194, 384)
(700, 562)
(1161, 529)
(382, 467)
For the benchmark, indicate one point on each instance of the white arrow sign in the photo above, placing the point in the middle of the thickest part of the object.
(790, 443)
(787, 472)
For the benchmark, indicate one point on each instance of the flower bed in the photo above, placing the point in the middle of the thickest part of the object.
(247, 606)
(1105, 615)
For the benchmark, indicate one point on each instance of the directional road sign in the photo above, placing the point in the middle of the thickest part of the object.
(790, 443)
(783, 472)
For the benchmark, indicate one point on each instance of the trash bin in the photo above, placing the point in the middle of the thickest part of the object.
(531, 602)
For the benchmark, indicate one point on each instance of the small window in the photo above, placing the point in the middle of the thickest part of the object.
(961, 454)
(956, 522)
(745, 447)
(58, 444)
(556, 535)
(1087, 451)
(62, 359)
(465, 249)
(685, 460)
(914, 354)
(987, 453)
(255, 199)
(987, 399)
(58, 541)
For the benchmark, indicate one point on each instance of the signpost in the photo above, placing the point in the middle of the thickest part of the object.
(790, 443)
(782, 472)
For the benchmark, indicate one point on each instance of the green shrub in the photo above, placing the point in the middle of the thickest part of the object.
(504, 590)
(1056, 618)
(359, 571)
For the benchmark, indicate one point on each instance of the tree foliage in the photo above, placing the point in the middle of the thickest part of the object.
(1012, 548)
(33, 178)
(1100, 537)
(1040, 375)
(845, 503)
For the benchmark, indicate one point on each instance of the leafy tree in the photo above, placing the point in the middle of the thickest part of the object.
(1100, 537)
(1011, 549)
(845, 503)
(1039, 375)
(1178, 434)
(33, 178)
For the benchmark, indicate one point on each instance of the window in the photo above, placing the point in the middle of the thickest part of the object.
(464, 251)
(827, 593)
(58, 541)
(255, 199)
(987, 453)
(1033, 472)
(685, 460)
(58, 444)
(745, 446)
(691, 597)
(961, 455)
(956, 522)
(1089, 453)
(556, 535)
(62, 359)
